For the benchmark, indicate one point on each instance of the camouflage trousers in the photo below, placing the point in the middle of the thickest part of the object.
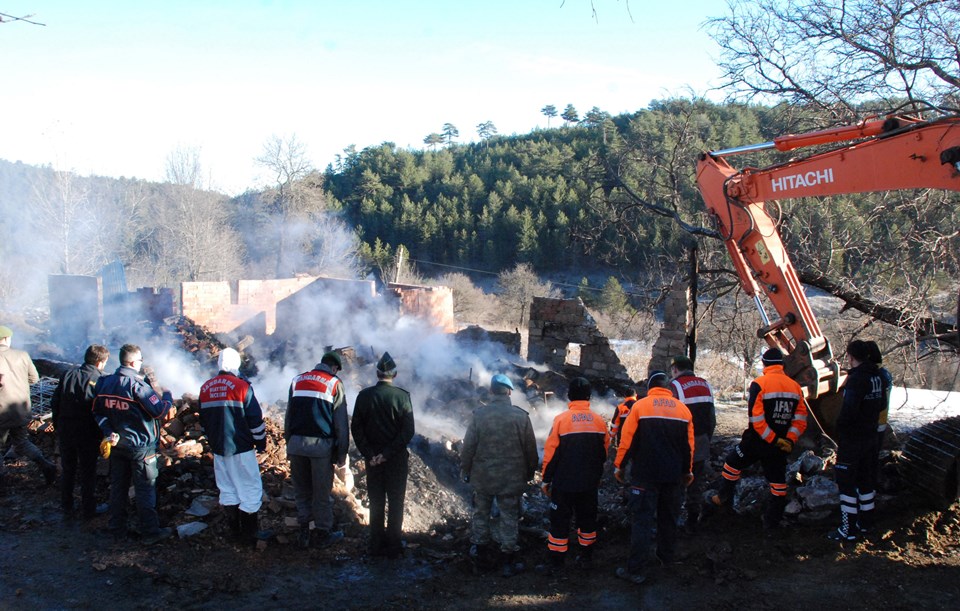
(504, 529)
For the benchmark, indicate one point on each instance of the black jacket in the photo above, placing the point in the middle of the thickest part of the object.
(382, 420)
(72, 404)
(864, 397)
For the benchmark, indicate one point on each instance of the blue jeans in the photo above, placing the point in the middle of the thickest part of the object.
(140, 465)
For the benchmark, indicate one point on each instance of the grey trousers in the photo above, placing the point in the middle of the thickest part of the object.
(312, 483)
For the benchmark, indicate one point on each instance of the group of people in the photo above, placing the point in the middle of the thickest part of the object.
(662, 446)
(656, 455)
(120, 415)
(317, 434)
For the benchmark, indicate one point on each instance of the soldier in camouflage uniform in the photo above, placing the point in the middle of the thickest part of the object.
(499, 457)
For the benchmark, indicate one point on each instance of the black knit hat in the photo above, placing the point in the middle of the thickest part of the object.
(773, 356)
(579, 390)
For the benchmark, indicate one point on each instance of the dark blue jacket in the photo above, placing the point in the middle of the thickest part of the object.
(316, 407)
(231, 415)
(126, 405)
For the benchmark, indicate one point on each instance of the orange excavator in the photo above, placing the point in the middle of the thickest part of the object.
(882, 154)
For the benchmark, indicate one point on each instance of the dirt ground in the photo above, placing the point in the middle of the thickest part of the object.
(912, 562)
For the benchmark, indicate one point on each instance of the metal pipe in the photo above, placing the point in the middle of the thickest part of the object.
(746, 148)
(763, 313)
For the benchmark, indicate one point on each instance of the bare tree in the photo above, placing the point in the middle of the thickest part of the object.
(65, 220)
(287, 159)
(516, 288)
(190, 236)
(836, 54)
(184, 168)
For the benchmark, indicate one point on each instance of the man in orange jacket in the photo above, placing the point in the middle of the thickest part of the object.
(778, 416)
(657, 441)
(573, 459)
(620, 414)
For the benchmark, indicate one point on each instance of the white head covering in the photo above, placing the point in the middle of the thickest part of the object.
(229, 360)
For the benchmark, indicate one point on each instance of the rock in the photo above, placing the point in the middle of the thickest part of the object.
(819, 492)
(190, 528)
(201, 506)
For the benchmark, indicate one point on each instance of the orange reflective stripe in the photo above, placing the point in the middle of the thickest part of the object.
(586, 539)
(778, 489)
(557, 545)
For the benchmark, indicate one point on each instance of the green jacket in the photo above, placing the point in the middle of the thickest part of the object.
(499, 450)
(382, 420)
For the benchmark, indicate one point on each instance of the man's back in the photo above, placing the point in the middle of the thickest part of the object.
(19, 373)
(499, 448)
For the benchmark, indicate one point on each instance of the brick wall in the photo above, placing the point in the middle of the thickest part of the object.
(431, 303)
(224, 306)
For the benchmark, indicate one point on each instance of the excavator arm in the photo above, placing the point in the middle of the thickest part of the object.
(895, 153)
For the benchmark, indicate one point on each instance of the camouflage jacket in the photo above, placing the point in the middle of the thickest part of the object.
(499, 450)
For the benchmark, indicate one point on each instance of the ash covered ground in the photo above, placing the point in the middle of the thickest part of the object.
(912, 562)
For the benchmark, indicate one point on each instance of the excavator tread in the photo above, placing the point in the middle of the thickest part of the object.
(930, 460)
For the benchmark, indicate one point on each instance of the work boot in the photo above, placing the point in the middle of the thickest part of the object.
(512, 565)
(157, 537)
(327, 538)
(774, 513)
(232, 515)
(554, 565)
(48, 469)
(303, 536)
(584, 559)
(634, 578)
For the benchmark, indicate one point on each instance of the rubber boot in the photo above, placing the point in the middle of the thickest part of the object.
(48, 469)
(554, 564)
(511, 564)
(585, 557)
(774, 512)
(232, 515)
(250, 529)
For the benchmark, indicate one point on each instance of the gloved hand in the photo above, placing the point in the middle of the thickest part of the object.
(546, 488)
(619, 475)
(784, 445)
(260, 445)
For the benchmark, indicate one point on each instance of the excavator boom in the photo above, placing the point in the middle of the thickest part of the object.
(895, 153)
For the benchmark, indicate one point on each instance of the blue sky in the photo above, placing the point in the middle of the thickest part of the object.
(112, 88)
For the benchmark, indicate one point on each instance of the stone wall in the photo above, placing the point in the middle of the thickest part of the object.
(673, 335)
(565, 337)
